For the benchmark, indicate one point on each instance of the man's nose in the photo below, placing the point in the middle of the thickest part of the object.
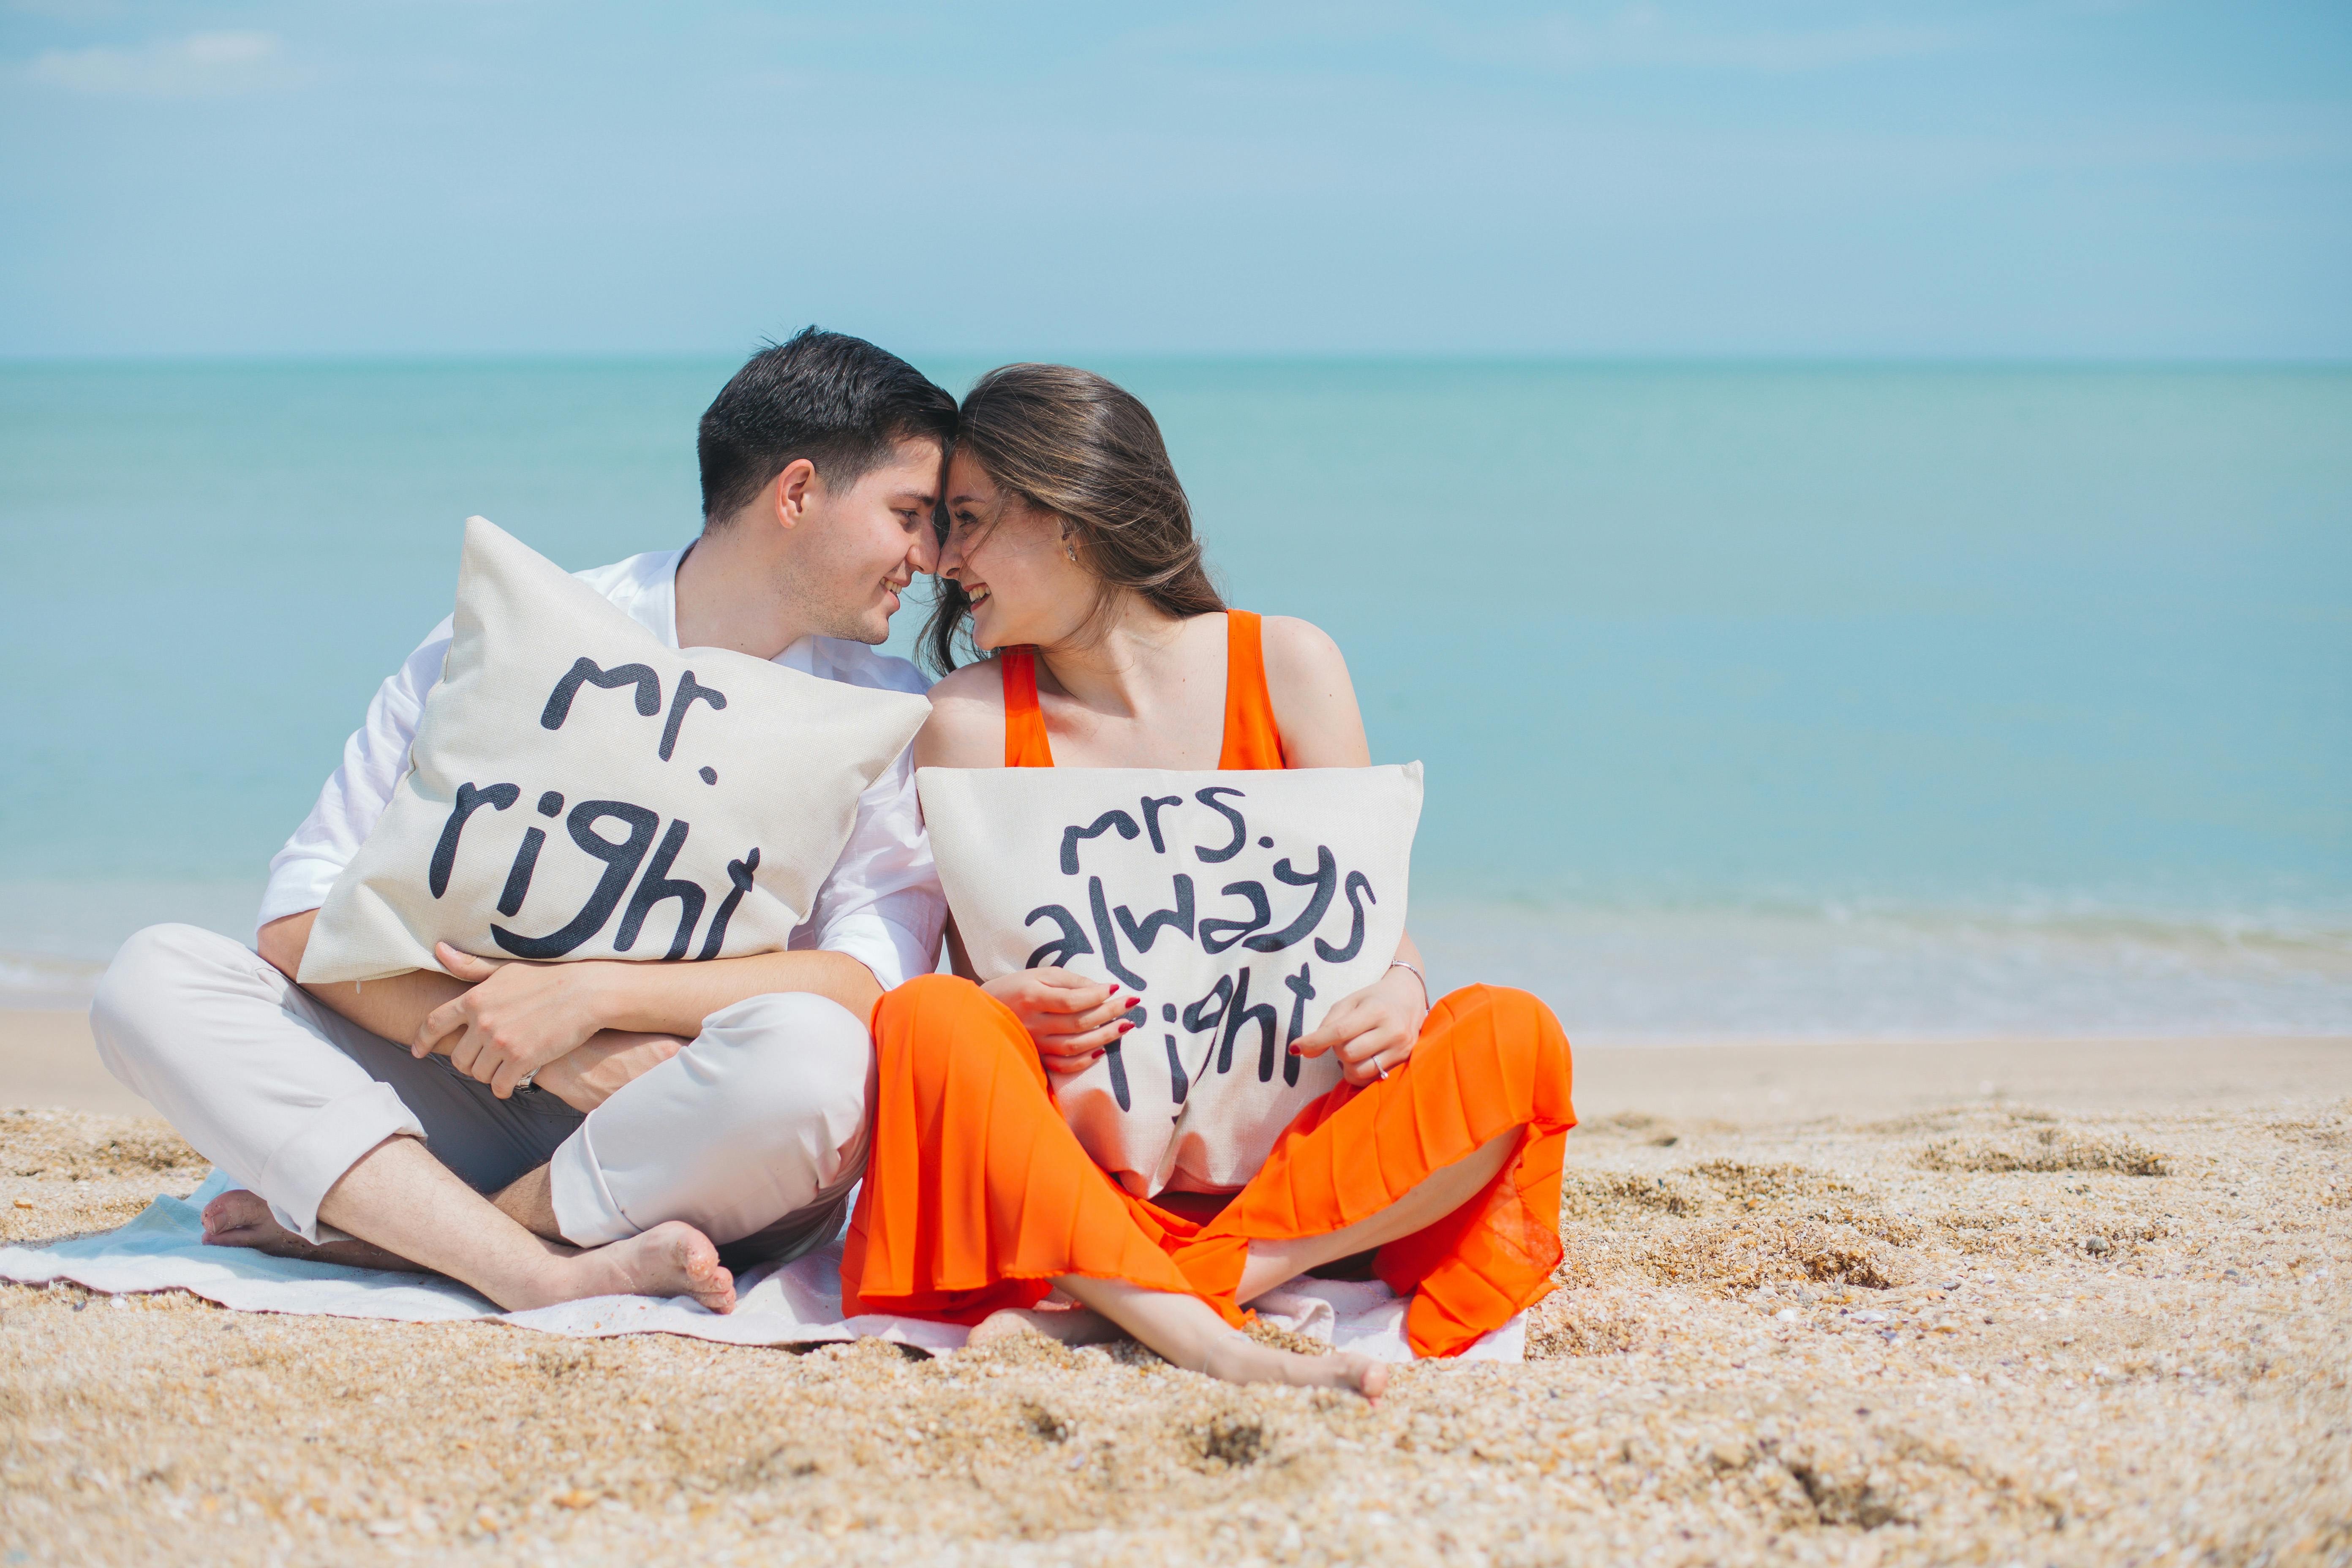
(923, 554)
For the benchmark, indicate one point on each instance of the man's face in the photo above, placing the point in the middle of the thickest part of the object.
(855, 550)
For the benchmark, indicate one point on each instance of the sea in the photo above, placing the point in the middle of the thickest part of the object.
(1758, 701)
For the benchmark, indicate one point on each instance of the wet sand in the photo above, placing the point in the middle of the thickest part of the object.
(2045, 1302)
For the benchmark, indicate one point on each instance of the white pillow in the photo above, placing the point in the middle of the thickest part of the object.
(578, 790)
(1238, 905)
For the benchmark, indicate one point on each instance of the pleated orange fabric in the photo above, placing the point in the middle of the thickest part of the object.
(1251, 739)
(977, 1194)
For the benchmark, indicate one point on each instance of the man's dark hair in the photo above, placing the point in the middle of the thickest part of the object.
(837, 400)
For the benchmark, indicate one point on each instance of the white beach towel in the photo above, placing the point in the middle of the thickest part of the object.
(797, 1304)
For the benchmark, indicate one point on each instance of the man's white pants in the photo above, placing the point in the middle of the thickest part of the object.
(755, 1133)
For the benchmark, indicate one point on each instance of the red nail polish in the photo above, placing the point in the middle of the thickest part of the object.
(1124, 1027)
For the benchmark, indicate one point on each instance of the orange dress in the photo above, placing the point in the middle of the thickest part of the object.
(977, 1194)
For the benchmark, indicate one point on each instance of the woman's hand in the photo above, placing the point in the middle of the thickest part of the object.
(1373, 1030)
(1069, 1017)
(515, 1019)
(611, 1060)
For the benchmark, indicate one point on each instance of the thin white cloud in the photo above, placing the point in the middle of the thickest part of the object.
(201, 65)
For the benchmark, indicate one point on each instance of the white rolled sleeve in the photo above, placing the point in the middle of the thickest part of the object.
(882, 904)
(375, 759)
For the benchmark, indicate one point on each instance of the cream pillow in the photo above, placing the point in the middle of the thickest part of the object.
(578, 790)
(1238, 905)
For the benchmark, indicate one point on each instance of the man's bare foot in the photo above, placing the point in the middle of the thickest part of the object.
(671, 1259)
(1240, 1359)
(1070, 1327)
(240, 1218)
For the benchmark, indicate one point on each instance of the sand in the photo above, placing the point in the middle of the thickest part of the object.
(2047, 1303)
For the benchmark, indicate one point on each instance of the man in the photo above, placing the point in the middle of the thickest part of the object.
(382, 1123)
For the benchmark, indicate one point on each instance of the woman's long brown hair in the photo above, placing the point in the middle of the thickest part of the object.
(1074, 444)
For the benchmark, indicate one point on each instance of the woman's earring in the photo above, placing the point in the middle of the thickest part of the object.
(1071, 551)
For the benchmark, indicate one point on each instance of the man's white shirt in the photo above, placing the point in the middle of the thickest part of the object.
(881, 904)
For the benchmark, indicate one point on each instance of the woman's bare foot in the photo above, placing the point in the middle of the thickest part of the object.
(671, 1259)
(1240, 1359)
(1190, 1333)
(1070, 1327)
(243, 1219)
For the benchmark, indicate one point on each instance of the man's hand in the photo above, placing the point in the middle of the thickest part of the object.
(610, 1061)
(515, 1019)
(1373, 1030)
(1070, 1017)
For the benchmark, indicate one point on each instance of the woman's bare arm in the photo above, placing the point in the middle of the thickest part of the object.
(1321, 726)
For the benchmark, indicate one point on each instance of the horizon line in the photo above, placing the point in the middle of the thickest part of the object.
(1716, 360)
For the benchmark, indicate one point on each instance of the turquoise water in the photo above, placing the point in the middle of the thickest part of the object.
(1753, 701)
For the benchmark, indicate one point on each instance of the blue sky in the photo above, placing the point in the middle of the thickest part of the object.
(492, 176)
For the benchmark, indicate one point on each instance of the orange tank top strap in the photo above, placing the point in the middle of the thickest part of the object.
(1026, 745)
(1251, 739)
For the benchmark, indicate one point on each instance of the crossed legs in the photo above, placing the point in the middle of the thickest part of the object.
(413, 1213)
(1188, 1332)
(751, 1135)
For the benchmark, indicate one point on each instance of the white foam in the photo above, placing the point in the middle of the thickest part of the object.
(1631, 975)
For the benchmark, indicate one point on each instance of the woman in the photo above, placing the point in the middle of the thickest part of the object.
(1068, 547)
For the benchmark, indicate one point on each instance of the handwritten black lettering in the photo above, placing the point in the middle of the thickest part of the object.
(1073, 943)
(1241, 1012)
(641, 676)
(1146, 931)
(1302, 991)
(1232, 932)
(1356, 882)
(1324, 880)
(1151, 804)
(497, 797)
(740, 873)
(1070, 837)
(657, 886)
(1118, 1076)
(1177, 1082)
(1197, 1014)
(519, 874)
(690, 692)
(621, 862)
(1109, 936)
(1208, 797)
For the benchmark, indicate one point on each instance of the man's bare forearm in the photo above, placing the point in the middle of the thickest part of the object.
(394, 1008)
(654, 998)
(663, 998)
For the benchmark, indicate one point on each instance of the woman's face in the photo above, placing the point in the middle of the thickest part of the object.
(1012, 560)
